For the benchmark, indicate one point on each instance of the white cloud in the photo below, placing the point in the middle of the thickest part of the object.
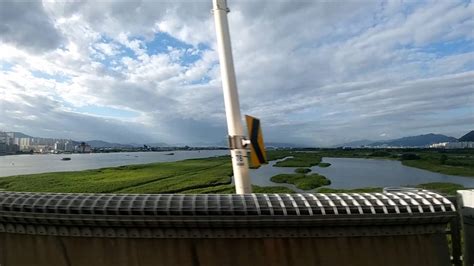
(313, 72)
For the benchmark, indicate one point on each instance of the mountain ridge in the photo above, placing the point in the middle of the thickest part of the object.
(105, 144)
(409, 141)
(416, 141)
(468, 137)
(423, 140)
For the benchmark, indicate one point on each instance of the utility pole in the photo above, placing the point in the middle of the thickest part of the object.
(237, 141)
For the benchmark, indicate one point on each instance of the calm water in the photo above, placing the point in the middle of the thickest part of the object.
(357, 173)
(343, 172)
(32, 164)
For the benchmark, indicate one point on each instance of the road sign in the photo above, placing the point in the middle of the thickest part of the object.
(258, 156)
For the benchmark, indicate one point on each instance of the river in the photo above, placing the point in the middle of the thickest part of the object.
(350, 173)
(43, 163)
(343, 172)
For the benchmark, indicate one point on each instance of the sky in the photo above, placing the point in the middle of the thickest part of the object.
(317, 73)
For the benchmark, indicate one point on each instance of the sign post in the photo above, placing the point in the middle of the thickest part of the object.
(231, 99)
(258, 155)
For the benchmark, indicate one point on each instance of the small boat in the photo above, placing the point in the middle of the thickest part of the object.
(171, 153)
(66, 159)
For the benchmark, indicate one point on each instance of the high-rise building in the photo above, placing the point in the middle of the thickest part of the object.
(68, 146)
(26, 144)
(3, 142)
(59, 146)
(3, 137)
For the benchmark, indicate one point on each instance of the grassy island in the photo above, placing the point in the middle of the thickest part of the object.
(302, 170)
(324, 164)
(301, 181)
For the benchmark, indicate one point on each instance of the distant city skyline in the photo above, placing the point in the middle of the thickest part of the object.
(431, 140)
(315, 73)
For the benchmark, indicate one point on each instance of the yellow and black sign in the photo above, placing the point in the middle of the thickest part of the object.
(258, 155)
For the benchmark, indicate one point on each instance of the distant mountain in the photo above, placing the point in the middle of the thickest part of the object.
(282, 145)
(355, 144)
(468, 137)
(158, 144)
(104, 144)
(20, 135)
(415, 141)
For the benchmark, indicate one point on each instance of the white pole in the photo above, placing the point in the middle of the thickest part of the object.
(466, 211)
(231, 100)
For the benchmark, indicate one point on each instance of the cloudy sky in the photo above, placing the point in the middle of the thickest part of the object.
(315, 72)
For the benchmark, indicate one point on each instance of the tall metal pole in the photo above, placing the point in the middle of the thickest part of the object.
(231, 100)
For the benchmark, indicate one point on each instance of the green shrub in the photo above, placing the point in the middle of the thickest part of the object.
(324, 164)
(302, 170)
(443, 158)
(409, 156)
(379, 154)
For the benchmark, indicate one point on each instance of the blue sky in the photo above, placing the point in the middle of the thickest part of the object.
(316, 73)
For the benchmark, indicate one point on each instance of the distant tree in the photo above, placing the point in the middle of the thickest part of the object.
(379, 154)
(410, 156)
(443, 158)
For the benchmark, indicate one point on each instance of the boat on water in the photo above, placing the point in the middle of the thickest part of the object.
(65, 159)
(171, 153)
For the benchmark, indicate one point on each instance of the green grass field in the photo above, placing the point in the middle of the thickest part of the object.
(210, 175)
(146, 178)
(431, 163)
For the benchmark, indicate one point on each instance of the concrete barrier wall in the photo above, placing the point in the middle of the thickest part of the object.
(466, 210)
(422, 249)
(254, 229)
